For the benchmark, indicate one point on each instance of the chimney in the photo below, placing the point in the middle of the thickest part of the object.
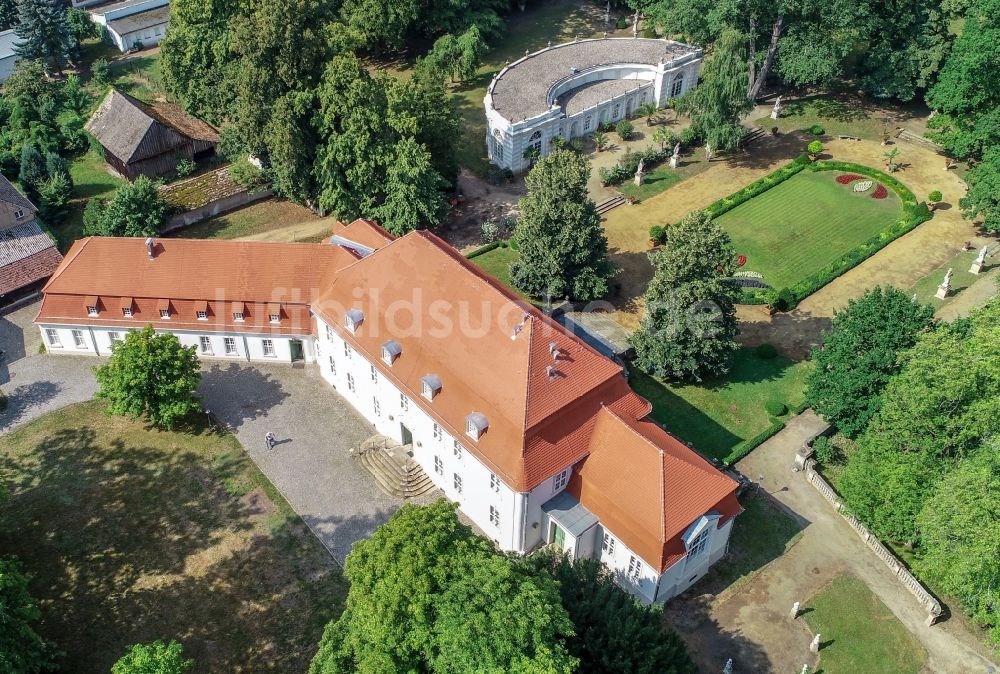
(150, 247)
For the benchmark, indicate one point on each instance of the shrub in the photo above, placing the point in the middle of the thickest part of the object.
(785, 300)
(184, 168)
(934, 197)
(657, 234)
(689, 136)
(816, 130)
(482, 250)
(621, 23)
(766, 351)
(815, 147)
(600, 140)
(776, 408)
(100, 72)
(246, 174)
(826, 452)
(576, 145)
(624, 129)
(490, 230)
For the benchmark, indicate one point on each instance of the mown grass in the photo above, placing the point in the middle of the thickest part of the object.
(926, 288)
(134, 534)
(803, 224)
(497, 263)
(257, 218)
(858, 633)
(715, 416)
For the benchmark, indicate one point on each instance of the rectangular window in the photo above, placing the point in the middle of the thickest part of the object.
(438, 433)
(347, 350)
(494, 483)
(164, 313)
(494, 517)
(115, 338)
(91, 311)
(19, 214)
(202, 315)
(377, 407)
(438, 465)
(268, 345)
(608, 545)
(350, 382)
(329, 334)
(237, 315)
(127, 312)
(457, 481)
(333, 366)
(634, 567)
(559, 481)
(230, 343)
(53, 336)
(206, 345)
(78, 340)
(274, 318)
(457, 449)
(698, 544)
(404, 403)
(374, 374)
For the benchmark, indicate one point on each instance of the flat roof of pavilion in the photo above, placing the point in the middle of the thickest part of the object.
(521, 89)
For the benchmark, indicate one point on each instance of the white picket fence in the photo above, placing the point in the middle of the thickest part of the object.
(925, 598)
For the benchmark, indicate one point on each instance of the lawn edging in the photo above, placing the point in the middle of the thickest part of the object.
(784, 299)
(742, 449)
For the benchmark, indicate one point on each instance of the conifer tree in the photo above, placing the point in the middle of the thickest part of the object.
(44, 32)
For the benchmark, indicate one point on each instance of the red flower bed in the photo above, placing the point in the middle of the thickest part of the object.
(880, 192)
(741, 260)
(848, 178)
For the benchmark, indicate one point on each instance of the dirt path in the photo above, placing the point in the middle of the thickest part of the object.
(753, 627)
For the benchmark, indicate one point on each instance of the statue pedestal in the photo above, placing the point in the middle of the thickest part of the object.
(976, 267)
(640, 178)
(673, 161)
(942, 292)
(775, 114)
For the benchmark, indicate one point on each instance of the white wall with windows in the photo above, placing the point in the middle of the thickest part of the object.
(210, 345)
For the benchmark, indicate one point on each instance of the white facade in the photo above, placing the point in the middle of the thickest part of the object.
(239, 346)
(133, 23)
(509, 137)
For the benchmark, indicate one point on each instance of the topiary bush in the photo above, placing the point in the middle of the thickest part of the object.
(624, 129)
(657, 234)
(816, 130)
(785, 300)
(934, 197)
(766, 351)
(815, 147)
(776, 408)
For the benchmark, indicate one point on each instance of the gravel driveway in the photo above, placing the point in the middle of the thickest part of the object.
(314, 426)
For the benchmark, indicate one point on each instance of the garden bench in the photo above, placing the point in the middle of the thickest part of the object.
(846, 137)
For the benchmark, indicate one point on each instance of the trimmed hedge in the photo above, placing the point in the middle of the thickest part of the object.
(785, 299)
(747, 446)
(626, 168)
(485, 249)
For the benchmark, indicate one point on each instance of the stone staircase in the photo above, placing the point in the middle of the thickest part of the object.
(393, 467)
(916, 139)
(610, 203)
(752, 136)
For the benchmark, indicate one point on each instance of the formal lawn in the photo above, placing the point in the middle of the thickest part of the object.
(803, 224)
(715, 416)
(269, 215)
(497, 263)
(132, 535)
(858, 633)
(659, 179)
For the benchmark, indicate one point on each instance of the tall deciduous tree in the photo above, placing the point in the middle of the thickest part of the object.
(422, 108)
(983, 196)
(135, 209)
(720, 101)
(22, 650)
(428, 595)
(154, 658)
(606, 618)
(44, 32)
(563, 248)
(689, 327)
(8, 14)
(943, 403)
(860, 353)
(151, 374)
(413, 191)
(960, 536)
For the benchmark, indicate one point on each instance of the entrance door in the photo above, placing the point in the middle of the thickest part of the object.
(295, 347)
(407, 435)
(557, 535)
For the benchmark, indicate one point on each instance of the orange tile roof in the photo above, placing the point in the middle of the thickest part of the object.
(647, 487)
(490, 348)
(366, 232)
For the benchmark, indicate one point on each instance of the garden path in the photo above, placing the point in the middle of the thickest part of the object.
(755, 619)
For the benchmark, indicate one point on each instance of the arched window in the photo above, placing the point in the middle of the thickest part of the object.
(536, 136)
(587, 123)
(642, 99)
(497, 144)
(675, 88)
(536, 141)
(618, 108)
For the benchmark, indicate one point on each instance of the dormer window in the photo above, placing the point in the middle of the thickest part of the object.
(164, 313)
(126, 305)
(127, 312)
(201, 310)
(353, 319)
(475, 425)
(91, 310)
(238, 316)
(164, 308)
(18, 214)
(430, 386)
(202, 315)
(274, 312)
(239, 312)
(274, 318)
(391, 351)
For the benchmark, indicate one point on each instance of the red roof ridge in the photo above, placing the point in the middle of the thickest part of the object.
(78, 247)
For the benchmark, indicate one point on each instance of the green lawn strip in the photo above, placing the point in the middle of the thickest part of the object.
(859, 633)
(496, 262)
(761, 533)
(656, 181)
(256, 218)
(717, 417)
(836, 117)
(134, 534)
(805, 223)
(926, 287)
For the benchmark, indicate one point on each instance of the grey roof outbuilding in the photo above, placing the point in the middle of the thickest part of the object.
(125, 127)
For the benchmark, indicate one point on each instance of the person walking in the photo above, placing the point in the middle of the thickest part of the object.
(269, 440)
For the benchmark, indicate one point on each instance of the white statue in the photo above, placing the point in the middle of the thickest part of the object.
(728, 669)
(635, 24)
(607, 13)
(708, 152)
(945, 287)
(640, 176)
(980, 261)
(776, 110)
(814, 646)
(795, 611)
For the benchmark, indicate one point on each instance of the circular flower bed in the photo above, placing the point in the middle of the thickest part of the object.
(848, 178)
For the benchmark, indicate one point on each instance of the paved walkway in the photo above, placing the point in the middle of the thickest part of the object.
(315, 428)
(756, 618)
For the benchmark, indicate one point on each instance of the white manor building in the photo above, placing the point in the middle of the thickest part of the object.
(536, 435)
(571, 89)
